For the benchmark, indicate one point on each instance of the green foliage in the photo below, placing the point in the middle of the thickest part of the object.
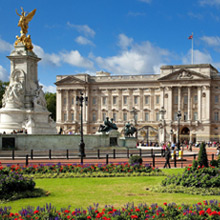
(2, 90)
(12, 183)
(203, 177)
(202, 157)
(187, 190)
(135, 160)
(51, 104)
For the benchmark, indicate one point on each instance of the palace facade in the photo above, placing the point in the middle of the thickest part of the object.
(149, 102)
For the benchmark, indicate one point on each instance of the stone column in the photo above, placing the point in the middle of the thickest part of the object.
(141, 104)
(74, 105)
(130, 104)
(152, 92)
(120, 104)
(189, 104)
(67, 105)
(99, 110)
(161, 96)
(109, 104)
(59, 105)
(208, 103)
(199, 102)
(179, 98)
(170, 104)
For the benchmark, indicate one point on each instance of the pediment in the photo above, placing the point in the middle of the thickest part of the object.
(70, 80)
(183, 74)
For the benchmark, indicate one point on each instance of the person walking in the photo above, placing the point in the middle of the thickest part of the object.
(167, 157)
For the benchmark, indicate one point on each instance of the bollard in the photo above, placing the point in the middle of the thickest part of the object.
(127, 153)
(114, 153)
(106, 158)
(174, 160)
(161, 152)
(67, 154)
(212, 156)
(32, 154)
(140, 152)
(26, 162)
(50, 154)
(13, 154)
(153, 157)
(131, 155)
(194, 156)
(98, 154)
(81, 160)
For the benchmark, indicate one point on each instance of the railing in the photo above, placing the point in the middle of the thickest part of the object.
(151, 156)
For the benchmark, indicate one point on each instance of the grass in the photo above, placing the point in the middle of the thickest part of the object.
(117, 191)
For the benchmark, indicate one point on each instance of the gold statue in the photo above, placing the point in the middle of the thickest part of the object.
(23, 23)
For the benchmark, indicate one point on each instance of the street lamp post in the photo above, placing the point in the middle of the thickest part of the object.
(79, 101)
(171, 135)
(178, 132)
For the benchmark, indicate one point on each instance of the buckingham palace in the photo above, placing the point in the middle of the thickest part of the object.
(181, 99)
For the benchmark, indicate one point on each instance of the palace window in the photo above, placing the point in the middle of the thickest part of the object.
(135, 100)
(216, 117)
(103, 116)
(157, 116)
(104, 100)
(125, 116)
(93, 116)
(146, 116)
(64, 117)
(216, 98)
(72, 116)
(94, 101)
(114, 100)
(195, 98)
(114, 116)
(157, 99)
(175, 116)
(195, 116)
(176, 99)
(125, 100)
(147, 99)
(185, 116)
(185, 99)
(72, 101)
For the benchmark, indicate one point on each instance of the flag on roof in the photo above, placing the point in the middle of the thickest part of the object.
(190, 37)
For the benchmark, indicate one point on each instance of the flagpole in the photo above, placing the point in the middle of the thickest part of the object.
(192, 48)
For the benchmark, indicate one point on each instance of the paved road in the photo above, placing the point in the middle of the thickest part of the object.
(158, 161)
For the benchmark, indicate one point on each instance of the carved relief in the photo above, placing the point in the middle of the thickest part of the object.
(185, 75)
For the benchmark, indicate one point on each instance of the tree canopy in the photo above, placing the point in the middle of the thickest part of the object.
(51, 103)
(3, 86)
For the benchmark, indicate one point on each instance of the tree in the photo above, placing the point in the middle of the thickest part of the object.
(3, 86)
(51, 104)
(202, 157)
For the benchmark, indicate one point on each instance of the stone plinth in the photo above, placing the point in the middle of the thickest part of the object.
(129, 142)
(24, 104)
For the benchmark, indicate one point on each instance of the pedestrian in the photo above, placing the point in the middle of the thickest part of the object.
(218, 150)
(167, 157)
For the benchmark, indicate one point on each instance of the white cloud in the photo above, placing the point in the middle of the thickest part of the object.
(51, 89)
(84, 41)
(52, 59)
(5, 46)
(211, 41)
(140, 58)
(4, 76)
(74, 58)
(124, 41)
(198, 57)
(85, 29)
(210, 2)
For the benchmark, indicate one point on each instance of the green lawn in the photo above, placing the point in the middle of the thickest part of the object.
(117, 191)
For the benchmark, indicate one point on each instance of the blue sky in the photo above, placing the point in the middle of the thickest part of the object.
(117, 36)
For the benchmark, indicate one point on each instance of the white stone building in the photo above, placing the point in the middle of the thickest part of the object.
(192, 89)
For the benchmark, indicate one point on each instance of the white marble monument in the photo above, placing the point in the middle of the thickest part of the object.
(24, 105)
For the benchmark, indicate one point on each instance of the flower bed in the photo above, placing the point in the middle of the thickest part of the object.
(80, 169)
(206, 210)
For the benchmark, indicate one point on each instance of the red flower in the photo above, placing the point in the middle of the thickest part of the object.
(202, 212)
(67, 211)
(137, 210)
(36, 211)
(88, 217)
(165, 204)
(134, 216)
